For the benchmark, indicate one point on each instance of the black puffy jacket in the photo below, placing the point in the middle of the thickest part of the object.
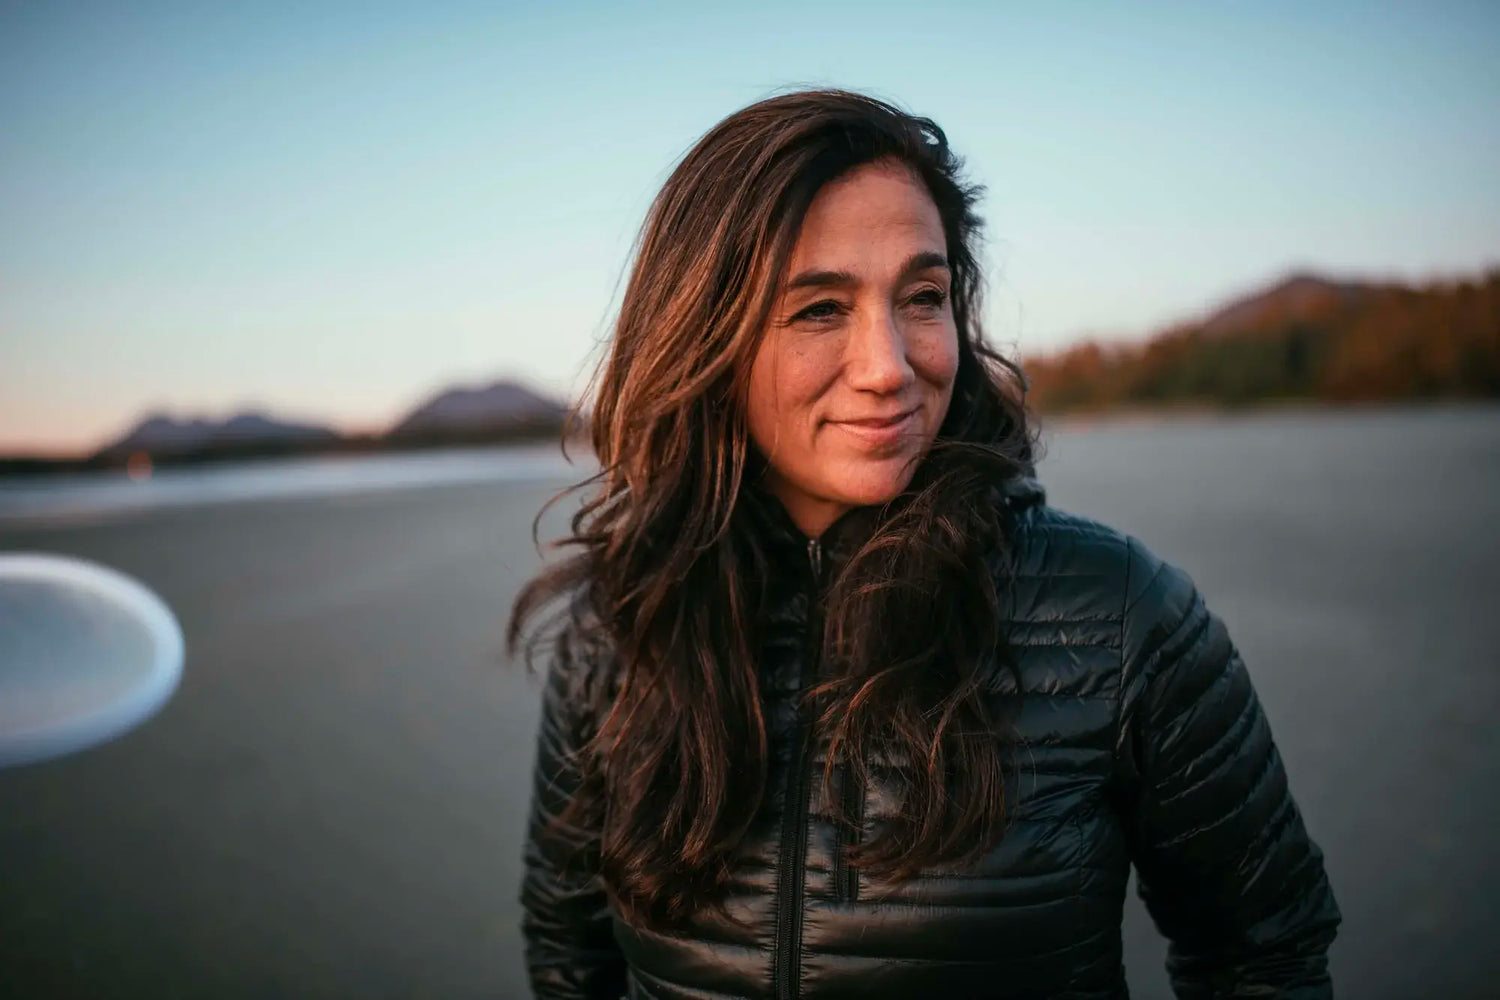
(1143, 743)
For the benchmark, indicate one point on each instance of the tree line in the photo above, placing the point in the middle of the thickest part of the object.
(1308, 339)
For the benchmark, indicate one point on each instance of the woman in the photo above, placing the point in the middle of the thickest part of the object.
(839, 705)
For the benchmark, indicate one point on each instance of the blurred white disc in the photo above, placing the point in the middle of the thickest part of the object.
(86, 653)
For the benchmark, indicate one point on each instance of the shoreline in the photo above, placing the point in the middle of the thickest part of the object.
(1187, 412)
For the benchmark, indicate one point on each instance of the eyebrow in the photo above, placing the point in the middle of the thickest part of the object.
(919, 261)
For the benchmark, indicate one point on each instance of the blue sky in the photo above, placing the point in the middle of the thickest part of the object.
(329, 211)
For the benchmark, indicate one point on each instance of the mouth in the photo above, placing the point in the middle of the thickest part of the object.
(876, 431)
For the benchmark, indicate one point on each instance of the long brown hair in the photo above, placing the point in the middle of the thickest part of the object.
(663, 594)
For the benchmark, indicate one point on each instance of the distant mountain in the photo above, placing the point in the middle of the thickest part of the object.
(1300, 297)
(503, 407)
(159, 434)
(499, 413)
(1304, 337)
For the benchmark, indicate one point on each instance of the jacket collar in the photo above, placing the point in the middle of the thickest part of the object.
(1020, 492)
(768, 518)
(783, 540)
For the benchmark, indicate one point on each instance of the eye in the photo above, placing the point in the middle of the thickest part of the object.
(929, 299)
(824, 309)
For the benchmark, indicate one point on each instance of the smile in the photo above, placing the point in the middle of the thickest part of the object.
(880, 432)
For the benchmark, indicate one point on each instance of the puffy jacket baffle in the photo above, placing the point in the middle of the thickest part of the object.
(1142, 743)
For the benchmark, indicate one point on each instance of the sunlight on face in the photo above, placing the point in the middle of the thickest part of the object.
(855, 370)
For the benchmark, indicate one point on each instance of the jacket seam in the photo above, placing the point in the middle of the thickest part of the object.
(1124, 679)
(1077, 900)
(654, 983)
(919, 960)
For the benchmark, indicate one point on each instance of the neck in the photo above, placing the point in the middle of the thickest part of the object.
(811, 515)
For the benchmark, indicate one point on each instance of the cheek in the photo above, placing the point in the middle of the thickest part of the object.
(785, 383)
(772, 403)
(935, 355)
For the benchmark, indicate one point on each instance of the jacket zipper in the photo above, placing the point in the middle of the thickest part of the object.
(845, 880)
(787, 949)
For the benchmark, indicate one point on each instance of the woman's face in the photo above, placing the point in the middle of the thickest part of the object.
(854, 372)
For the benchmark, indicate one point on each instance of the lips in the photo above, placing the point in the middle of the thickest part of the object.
(874, 423)
(878, 432)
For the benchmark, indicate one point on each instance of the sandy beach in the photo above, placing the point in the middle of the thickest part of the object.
(332, 804)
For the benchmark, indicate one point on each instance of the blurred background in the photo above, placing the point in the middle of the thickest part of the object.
(293, 299)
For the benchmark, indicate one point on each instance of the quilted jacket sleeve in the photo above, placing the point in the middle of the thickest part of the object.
(571, 952)
(1223, 861)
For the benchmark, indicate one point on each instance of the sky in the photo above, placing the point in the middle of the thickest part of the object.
(329, 212)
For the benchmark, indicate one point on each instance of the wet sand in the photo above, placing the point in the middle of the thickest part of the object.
(333, 802)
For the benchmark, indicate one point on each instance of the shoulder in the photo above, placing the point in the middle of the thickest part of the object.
(1081, 556)
(1067, 568)
(1082, 584)
(1047, 541)
(581, 667)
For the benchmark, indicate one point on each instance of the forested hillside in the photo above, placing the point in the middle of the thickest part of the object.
(1307, 338)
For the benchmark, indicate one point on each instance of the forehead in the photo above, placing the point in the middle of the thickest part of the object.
(874, 213)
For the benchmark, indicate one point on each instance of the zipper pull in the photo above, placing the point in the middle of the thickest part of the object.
(815, 557)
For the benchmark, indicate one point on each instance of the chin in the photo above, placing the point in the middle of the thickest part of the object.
(873, 481)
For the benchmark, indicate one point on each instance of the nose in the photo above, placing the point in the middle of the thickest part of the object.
(875, 356)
